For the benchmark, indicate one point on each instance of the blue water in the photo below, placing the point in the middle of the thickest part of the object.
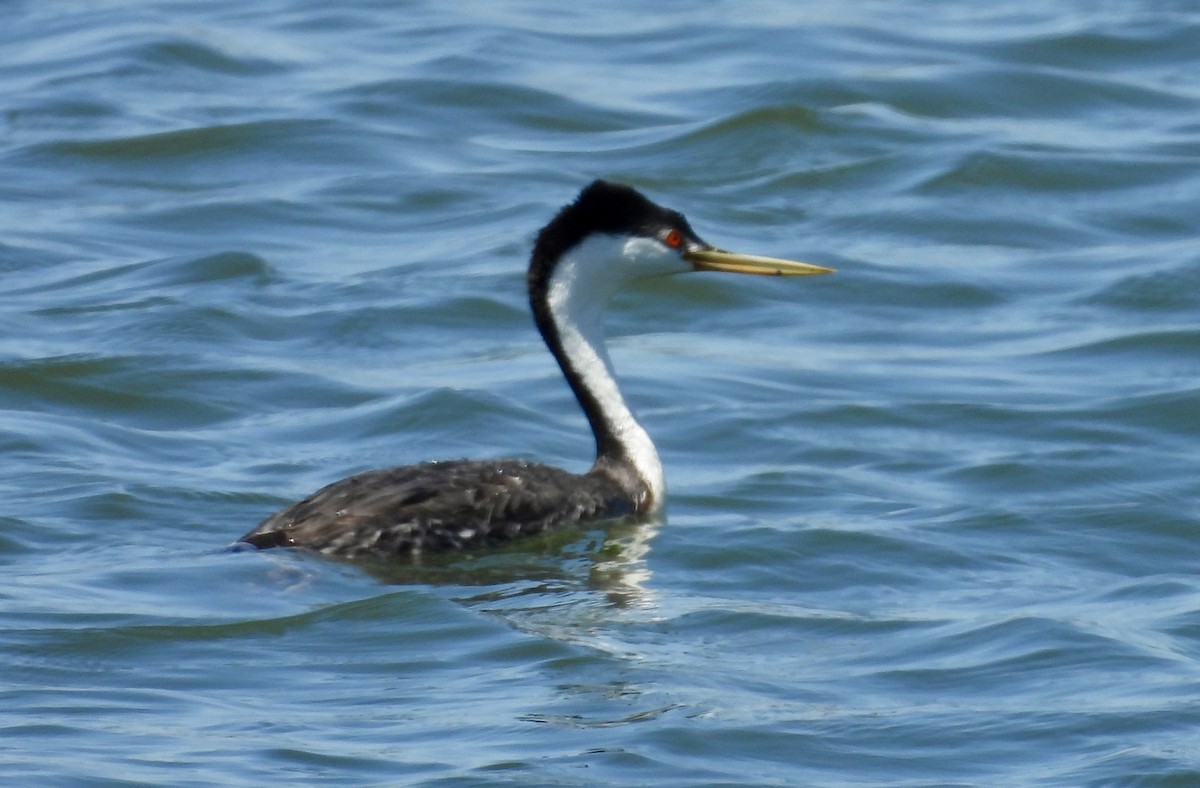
(934, 520)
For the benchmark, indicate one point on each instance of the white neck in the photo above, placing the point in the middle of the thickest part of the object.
(580, 287)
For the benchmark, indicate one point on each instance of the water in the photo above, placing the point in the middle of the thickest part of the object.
(933, 520)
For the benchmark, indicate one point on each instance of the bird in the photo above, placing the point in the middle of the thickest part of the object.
(610, 237)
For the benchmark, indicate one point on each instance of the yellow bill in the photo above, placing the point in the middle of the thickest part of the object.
(734, 263)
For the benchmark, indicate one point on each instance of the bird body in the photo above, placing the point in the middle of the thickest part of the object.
(609, 237)
(440, 506)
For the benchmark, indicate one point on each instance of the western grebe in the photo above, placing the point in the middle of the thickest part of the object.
(609, 237)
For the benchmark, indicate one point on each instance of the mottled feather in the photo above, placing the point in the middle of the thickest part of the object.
(437, 506)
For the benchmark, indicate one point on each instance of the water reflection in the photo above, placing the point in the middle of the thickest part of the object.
(609, 560)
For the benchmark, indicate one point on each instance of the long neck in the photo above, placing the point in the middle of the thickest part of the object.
(569, 312)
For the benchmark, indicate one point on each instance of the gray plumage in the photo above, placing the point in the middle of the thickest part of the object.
(439, 506)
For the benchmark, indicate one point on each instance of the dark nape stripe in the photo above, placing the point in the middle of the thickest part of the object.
(602, 207)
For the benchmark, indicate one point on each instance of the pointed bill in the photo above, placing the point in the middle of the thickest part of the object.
(734, 263)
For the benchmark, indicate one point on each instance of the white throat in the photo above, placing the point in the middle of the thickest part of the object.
(579, 289)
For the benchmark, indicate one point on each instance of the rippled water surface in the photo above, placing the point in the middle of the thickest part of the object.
(933, 520)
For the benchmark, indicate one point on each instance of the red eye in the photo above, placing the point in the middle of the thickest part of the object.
(673, 239)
